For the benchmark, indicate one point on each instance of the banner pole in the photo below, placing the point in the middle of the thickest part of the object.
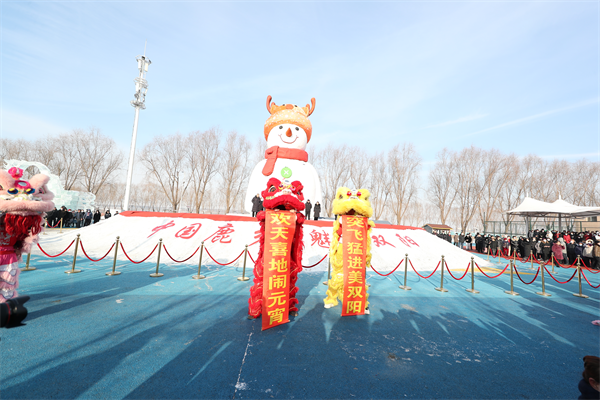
(404, 287)
(200, 263)
(27, 267)
(580, 294)
(472, 290)
(113, 272)
(511, 291)
(73, 270)
(441, 288)
(243, 277)
(328, 272)
(158, 274)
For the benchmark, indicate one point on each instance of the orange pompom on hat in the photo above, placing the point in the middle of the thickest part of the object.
(289, 114)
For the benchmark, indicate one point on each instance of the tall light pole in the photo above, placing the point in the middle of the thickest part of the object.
(141, 88)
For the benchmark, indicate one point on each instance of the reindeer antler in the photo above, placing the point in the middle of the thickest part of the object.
(269, 104)
(311, 109)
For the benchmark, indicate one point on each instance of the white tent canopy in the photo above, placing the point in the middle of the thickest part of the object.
(560, 208)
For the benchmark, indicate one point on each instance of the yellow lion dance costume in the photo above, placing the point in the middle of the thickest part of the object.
(346, 202)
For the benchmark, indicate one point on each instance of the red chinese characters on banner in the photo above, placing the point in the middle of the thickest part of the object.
(222, 235)
(161, 227)
(379, 240)
(279, 233)
(189, 231)
(407, 241)
(321, 239)
(355, 234)
(257, 237)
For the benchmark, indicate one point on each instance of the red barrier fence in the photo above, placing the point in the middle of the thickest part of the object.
(579, 264)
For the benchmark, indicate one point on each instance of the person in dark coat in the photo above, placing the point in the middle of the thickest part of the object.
(493, 246)
(469, 241)
(307, 208)
(97, 216)
(255, 205)
(107, 214)
(88, 217)
(589, 385)
(546, 249)
(79, 218)
(526, 249)
(317, 210)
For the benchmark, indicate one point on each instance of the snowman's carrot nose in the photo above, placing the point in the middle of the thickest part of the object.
(289, 132)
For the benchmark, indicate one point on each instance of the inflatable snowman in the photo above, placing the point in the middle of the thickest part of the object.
(287, 131)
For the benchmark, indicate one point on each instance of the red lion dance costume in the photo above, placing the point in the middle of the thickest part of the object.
(280, 256)
(22, 206)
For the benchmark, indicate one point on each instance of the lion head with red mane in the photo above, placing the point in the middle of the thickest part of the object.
(283, 195)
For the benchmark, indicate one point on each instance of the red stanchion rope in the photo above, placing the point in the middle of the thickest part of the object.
(314, 265)
(59, 254)
(450, 272)
(534, 278)
(491, 277)
(552, 276)
(563, 266)
(91, 259)
(50, 226)
(177, 261)
(394, 270)
(253, 260)
(137, 262)
(231, 262)
(424, 277)
(586, 279)
(588, 268)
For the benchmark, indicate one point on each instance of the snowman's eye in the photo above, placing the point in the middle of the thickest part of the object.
(280, 126)
(297, 128)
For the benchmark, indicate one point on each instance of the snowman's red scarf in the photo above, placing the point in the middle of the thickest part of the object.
(275, 152)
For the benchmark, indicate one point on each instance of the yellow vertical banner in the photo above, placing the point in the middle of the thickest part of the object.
(280, 226)
(355, 236)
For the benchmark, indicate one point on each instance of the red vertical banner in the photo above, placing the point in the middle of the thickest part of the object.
(280, 226)
(354, 236)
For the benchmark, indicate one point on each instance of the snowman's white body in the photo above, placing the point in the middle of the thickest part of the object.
(301, 171)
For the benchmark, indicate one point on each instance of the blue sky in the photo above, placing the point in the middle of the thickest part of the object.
(522, 77)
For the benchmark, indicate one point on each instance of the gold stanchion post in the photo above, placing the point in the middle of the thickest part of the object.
(543, 292)
(441, 288)
(488, 253)
(73, 270)
(200, 263)
(61, 221)
(472, 290)
(511, 291)
(531, 261)
(27, 267)
(158, 274)
(404, 287)
(115, 260)
(580, 294)
(243, 278)
(328, 272)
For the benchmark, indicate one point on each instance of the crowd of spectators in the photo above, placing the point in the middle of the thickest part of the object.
(68, 218)
(565, 246)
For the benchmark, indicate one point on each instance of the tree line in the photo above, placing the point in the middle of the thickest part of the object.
(207, 172)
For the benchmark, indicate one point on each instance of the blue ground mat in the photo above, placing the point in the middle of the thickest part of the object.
(135, 337)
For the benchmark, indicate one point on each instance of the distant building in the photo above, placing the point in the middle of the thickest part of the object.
(437, 228)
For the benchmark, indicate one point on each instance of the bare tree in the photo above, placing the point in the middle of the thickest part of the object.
(99, 159)
(442, 183)
(359, 167)
(493, 169)
(404, 164)
(165, 160)
(67, 165)
(203, 160)
(379, 188)
(234, 168)
(468, 184)
(333, 166)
